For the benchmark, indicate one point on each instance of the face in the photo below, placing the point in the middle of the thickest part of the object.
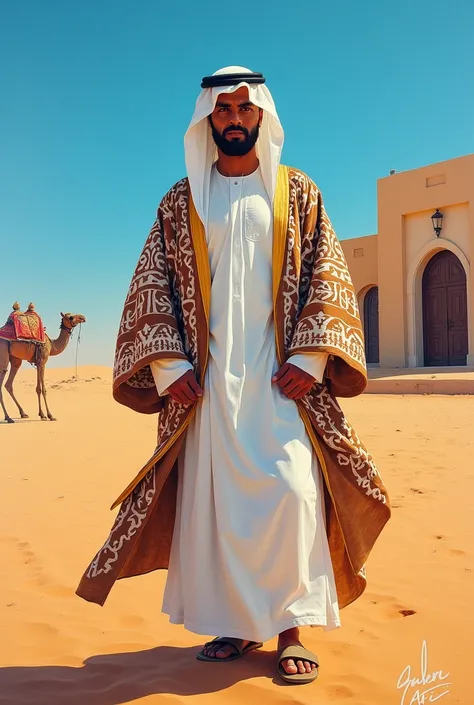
(235, 123)
(71, 320)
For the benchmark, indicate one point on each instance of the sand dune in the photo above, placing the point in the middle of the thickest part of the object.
(58, 480)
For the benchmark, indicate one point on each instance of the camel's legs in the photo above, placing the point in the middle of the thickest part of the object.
(3, 372)
(38, 392)
(15, 365)
(43, 390)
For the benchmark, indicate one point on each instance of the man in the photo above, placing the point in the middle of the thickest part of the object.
(241, 327)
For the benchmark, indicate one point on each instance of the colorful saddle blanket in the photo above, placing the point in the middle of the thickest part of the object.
(24, 326)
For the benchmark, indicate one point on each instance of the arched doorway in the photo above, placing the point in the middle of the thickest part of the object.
(444, 311)
(371, 325)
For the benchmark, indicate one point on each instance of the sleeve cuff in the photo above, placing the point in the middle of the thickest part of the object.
(167, 371)
(313, 363)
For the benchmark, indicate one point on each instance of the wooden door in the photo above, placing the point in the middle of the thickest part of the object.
(444, 311)
(371, 325)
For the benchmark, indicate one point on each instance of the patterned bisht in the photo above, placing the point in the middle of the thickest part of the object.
(166, 315)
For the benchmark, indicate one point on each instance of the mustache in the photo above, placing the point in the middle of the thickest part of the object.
(244, 131)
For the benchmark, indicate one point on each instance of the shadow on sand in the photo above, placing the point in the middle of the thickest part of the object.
(113, 679)
(18, 422)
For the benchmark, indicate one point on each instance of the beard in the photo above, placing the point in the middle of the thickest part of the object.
(235, 147)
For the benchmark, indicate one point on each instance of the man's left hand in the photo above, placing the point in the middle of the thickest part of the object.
(294, 382)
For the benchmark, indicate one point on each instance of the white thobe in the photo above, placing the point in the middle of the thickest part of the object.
(249, 555)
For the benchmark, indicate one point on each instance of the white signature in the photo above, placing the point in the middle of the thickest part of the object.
(434, 692)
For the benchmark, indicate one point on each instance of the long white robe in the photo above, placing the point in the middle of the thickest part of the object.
(249, 555)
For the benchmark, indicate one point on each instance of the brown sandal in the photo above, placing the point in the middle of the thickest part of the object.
(230, 641)
(297, 653)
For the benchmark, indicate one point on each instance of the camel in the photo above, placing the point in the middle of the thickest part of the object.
(15, 352)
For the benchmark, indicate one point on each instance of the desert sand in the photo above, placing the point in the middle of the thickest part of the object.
(58, 481)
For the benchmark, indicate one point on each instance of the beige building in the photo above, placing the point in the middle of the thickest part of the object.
(415, 286)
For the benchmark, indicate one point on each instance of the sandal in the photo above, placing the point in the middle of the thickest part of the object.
(297, 653)
(230, 641)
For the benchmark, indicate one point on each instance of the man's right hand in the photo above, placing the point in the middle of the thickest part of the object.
(186, 389)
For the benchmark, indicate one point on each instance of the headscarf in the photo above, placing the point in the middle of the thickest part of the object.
(201, 151)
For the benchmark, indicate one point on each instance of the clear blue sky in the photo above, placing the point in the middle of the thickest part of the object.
(96, 96)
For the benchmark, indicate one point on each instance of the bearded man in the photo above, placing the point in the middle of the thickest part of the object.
(241, 327)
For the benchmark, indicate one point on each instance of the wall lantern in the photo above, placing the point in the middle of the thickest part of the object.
(437, 220)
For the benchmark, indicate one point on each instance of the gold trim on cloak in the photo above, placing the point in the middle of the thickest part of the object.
(280, 233)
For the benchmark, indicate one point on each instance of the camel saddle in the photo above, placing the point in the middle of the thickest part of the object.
(23, 327)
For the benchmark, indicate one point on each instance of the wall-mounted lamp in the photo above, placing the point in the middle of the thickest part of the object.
(437, 220)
